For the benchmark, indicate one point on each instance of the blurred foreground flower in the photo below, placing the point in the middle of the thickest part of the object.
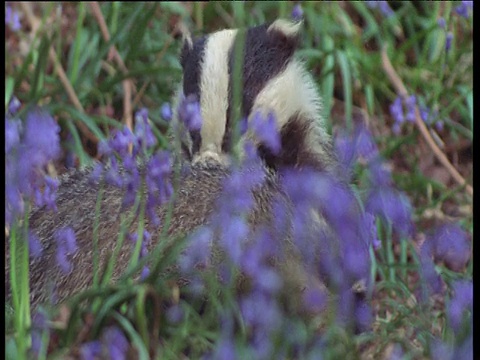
(29, 147)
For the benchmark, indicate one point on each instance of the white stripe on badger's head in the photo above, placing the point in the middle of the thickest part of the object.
(214, 88)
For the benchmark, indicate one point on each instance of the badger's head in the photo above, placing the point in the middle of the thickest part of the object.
(273, 81)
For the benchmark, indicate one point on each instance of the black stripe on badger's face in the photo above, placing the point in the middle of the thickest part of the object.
(190, 59)
(208, 65)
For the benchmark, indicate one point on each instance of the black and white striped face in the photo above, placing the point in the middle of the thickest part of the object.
(273, 81)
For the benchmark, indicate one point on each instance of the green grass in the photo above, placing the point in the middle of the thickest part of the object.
(341, 45)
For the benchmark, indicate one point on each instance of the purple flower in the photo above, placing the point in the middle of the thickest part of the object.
(66, 246)
(396, 353)
(463, 8)
(397, 128)
(410, 103)
(166, 112)
(431, 279)
(379, 173)
(392, 206)
(175, 314)
(116, 343)
(261, 311)
(297, 12)
(12, 134)
(159, 186)
(385, 8)
(234, 235)
(461, 302)
(451, 245)
(441, 22)
(12, 18)
(91, 350)
(371, 225)
(48, 196)
(28, 151)
(120, 141)
(382, 5)
(189, 113)
(365, 144)
(34, 245)
(113, 175)
(439, 125)
(363, 315)
(197, 252)
(345, 149)
(266, 131)
(448, 41)
(396, 110)
(41, 135)
(314, 299)
(143, 130)
(14, 105)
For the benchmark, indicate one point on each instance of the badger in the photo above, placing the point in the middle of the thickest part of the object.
(273, 81)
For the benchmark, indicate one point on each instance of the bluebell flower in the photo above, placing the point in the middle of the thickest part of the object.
(91, 350)
(159, 186)
(14, 105)
(41, 131)
(396, 110)
(297, 12)
(365, 145)
(175, 314)
(371, 224)
(448, 41)
(39, 326)
(441, 22)
(392, 206)
(439, 125)
(460, 304)
(12, 18)
(166, 112)
(28, 151)
(266, 131)
(143, 131)
(34, 245)
(12, 134)
(379, 174)
(431, 280)
(385, 9)
(345, 149)
(66, 246)
(363, 315)
(314, 299)
(463, 9)
(48, 196)
(189, 113)
(410, 103)
(233, 236)
(260, 310)
(197, 252)
(116, 343)
(451, 246)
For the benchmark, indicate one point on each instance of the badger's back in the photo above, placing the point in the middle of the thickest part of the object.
(76, 202)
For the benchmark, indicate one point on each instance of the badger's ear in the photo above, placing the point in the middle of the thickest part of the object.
(289, 29)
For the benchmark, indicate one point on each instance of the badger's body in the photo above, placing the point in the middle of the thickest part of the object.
(273, 81)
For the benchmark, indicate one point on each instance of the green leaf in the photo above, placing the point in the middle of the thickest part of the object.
(347, 86)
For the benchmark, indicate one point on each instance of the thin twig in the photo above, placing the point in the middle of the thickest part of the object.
(35, 24)
(402, 91)
(127, 83)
